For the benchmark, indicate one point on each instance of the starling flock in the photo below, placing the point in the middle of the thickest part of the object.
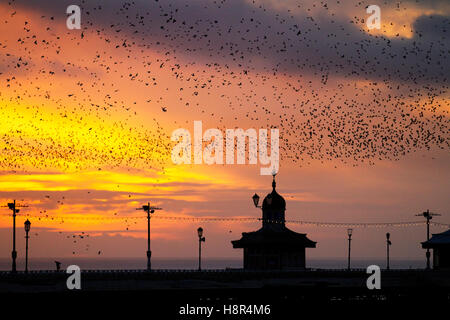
(312, 69)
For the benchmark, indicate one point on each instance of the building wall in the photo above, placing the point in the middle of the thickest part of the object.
(441, 258)
(263, 258)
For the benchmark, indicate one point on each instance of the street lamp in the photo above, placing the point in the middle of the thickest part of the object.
(349, 232)
(149, 211)
(147, 208)
(428, 215)
(255, 200)
(12, 206)
(27, 229)
(201, 239)
(388, 243)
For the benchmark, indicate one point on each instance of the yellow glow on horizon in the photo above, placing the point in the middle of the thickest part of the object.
(34, 139)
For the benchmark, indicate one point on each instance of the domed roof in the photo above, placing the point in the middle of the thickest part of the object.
(273, 200)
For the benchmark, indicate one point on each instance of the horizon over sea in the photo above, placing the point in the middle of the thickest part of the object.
(90, 263)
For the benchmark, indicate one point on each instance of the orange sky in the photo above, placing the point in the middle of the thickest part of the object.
(84, 136)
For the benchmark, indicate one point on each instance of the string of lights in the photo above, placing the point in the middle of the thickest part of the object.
(440, 224)
(61, 219)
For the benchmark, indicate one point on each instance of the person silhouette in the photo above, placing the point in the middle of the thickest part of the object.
(58, 266)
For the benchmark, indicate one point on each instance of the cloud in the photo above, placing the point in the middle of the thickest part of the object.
(336, 90)
(260, 38)
(433, 27)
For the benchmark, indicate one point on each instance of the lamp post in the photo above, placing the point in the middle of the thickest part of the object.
(27, 229)
(147, 208)
(149, 252)
(349, 232)
(201, 239)
(256, 200)
(12, 206)
(388, 243)
(428, 215)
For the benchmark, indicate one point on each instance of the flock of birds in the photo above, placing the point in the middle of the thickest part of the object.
(336, 91)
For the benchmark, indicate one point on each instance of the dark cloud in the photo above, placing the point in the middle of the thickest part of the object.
(433, 27)
(313, 56)
(250, 37)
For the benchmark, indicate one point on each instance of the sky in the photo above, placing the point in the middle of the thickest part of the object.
(87, 116)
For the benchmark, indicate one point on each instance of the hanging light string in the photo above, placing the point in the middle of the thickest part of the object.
(440, 224)
(61, 219)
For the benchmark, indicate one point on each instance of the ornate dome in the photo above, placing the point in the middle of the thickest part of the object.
(273, 207)
(274, 200)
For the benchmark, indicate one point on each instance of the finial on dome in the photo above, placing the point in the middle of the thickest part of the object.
(274, 184)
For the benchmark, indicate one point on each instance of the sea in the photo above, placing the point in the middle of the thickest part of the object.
(192, 263)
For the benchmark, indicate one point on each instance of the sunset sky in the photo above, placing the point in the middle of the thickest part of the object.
(86, 118)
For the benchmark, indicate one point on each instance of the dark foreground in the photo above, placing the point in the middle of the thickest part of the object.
(226, 294)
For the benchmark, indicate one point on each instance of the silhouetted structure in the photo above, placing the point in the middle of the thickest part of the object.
(13, 206)
(440, 243)
(27, 225)
(388, 244)
(149, 209)
(273, 246)
(201, 239)
(428, 215)
(349, 233)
